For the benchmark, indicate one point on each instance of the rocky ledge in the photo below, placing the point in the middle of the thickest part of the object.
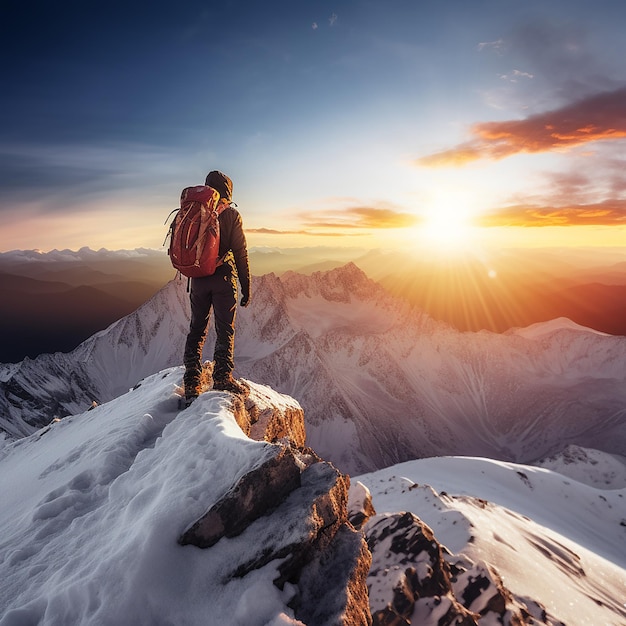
(347, 565)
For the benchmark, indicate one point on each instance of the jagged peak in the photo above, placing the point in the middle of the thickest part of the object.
(341, 284)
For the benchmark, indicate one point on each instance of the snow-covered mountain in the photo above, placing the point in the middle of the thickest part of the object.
(380, 383)
(95, 509)
(548, 538)
(36, 391)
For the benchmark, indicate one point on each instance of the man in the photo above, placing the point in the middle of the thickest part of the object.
(220, 292)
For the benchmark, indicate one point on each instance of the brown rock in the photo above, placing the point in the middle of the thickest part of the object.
(256, 493)
(360, 507)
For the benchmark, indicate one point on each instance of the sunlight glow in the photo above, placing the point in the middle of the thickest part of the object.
(447, 224)
(446, 231)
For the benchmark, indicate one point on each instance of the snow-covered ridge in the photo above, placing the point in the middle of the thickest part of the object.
(36, 391)
(94, 508)
(591, 467)
(537, 331)
(550, 539)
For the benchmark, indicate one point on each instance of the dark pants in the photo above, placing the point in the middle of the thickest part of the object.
(220, 292)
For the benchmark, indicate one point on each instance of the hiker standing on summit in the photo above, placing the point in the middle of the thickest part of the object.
(220, 292)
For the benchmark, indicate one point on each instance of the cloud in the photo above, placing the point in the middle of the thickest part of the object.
(61, 177)
(497, 46)
(314, 26)
(332, 20)
(595, 118)
(272, 231)
(361, 218)
(607, 213)
(308, 233)
(516, 75)
(353, 221)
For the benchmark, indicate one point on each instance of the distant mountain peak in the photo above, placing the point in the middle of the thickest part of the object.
(541, 329)
(341, 284)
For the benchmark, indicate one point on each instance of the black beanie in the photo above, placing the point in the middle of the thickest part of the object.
(221, 183)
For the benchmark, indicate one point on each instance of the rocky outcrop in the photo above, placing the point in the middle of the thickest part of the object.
(322, 556)
(409, 574)
(416, 580)
(262, 413)
(257, 493)
(345, 564)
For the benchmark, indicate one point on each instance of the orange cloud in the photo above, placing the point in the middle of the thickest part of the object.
(607, 213)
(354, 221)
(595, 118)
(361, 218)
(272, 231)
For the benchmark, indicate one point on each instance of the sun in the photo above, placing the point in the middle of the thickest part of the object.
(445, 231)
(447, 223)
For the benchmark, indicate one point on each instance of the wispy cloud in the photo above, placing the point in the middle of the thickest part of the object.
(309, 233)
(361, 218)
(496, 45)
(598, 117)
(606, 213)
(351, 221)
(273, 231)
(515, 75)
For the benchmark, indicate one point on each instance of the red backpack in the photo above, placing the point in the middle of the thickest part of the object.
(195, 232)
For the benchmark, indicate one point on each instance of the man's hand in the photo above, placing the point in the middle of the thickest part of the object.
(245, 300)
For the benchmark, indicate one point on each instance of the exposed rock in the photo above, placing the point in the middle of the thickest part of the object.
(409, 574)
(480, 588)
(415, 580)
(360, 507)
(323, 557)
(268, 423)
(263, 414)
(256, 494)
(332, 586)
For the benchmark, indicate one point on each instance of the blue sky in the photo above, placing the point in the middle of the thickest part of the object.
(368, 123)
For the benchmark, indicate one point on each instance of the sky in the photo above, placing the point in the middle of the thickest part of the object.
(349, 122)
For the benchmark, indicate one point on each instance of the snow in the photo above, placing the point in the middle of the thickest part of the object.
(380, 383)
(591, 467)
(93, 507)
(7, 370)
(84, 254)
(541, 329)
(558, 541)
(319, 316)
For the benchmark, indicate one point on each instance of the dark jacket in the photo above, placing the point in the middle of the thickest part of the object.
(233, 246)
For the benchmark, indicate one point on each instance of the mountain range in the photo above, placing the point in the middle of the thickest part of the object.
(380, 381)
(55, 300)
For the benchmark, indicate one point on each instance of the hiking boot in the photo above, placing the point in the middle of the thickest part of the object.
(191, 384)
(188, 400)
(184, 403)
(228, 383)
